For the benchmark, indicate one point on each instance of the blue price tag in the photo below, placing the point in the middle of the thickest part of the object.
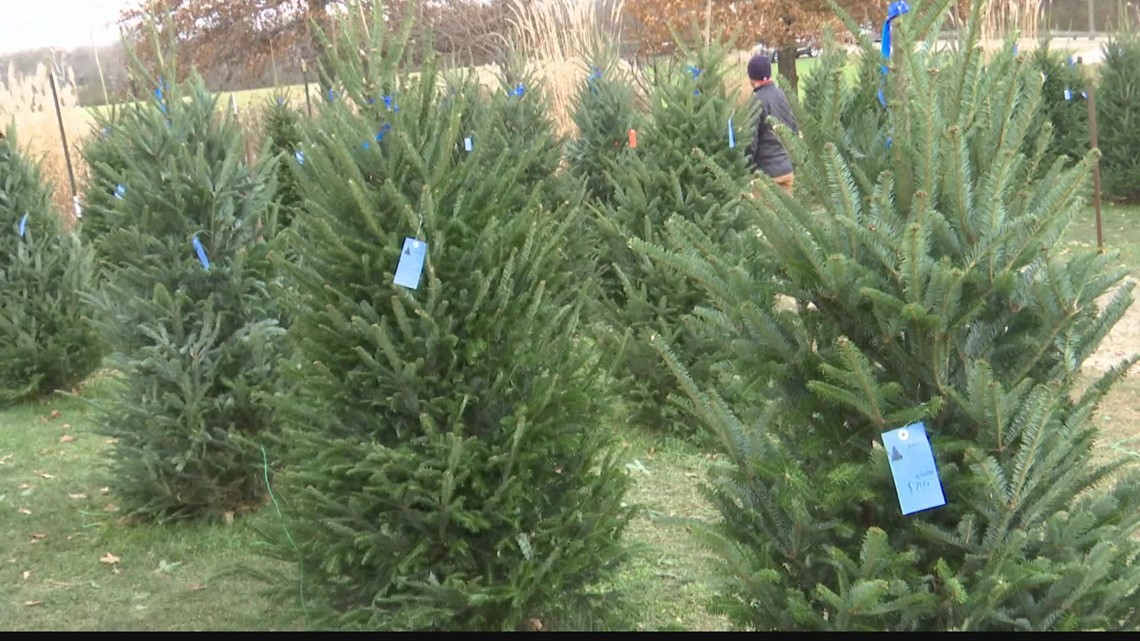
(1068, 94)
(467, 143)
(913, 468)
(23, 225)
(411, 263)
(731, 135)
(201, 252)
(300, 156)
(120, 191)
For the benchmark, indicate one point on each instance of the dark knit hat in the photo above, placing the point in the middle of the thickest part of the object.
(759, 67)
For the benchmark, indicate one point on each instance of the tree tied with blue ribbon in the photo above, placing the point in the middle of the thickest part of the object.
(895, 10)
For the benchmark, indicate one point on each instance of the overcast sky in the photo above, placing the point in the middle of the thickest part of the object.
(28, 24)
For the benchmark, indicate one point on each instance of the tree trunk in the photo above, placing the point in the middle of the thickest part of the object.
(787, 65)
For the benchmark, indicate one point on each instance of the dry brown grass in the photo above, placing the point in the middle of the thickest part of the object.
(557, 38)
(39, 134)
(27, 101)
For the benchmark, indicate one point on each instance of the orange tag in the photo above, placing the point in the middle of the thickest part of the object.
(633, 139)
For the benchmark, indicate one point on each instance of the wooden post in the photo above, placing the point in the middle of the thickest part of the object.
(1096, 166)
(305, 78)
(63, 137)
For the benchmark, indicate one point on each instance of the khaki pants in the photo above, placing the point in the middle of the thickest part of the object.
(787, 181)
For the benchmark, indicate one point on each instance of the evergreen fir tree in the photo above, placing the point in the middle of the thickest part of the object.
(445, 462)
(282, 125)
(1064, 103)
(854, 118)
(604, 115)
(1118, 116)
(937, 295)
(188, 308)
(690, 113)
(104, 154)
(47, 341)
(522, 121)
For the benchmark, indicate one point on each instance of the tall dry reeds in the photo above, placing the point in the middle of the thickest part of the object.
(27, 100)
(557, 38)
(1003, 16)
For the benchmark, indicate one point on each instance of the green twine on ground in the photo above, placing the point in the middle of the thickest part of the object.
(300, 570)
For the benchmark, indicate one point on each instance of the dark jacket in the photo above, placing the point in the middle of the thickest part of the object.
(767, 153)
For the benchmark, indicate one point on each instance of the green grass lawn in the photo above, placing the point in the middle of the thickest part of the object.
(1120, 226)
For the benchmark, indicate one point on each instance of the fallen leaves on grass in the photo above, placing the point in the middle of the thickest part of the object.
(195, 587)
(44, 475)
(55, 413)
(25, 574)
(228, 517)
(109, 559)
(110, 507)
(77, 496)
(33, 603)
(24, 510)
(66, 438)
(4, 459)
(104, 490)
(65, 426)
(25, 486)
(38, 536)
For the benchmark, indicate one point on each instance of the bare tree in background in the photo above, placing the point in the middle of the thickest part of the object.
(782, 24)
(236, 41)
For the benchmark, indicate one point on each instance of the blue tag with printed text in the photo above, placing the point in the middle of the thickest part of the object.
(411, 263)
(912, 466)
(23, 225)
(467, 143)
(731, 135)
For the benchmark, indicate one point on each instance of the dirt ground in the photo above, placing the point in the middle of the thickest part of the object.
(1121, 342)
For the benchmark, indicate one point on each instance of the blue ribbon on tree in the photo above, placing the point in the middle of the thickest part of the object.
(201, 251)
(331, 95)
(379, 135)
(390, 103)
(595, 76)
(120, 191)
(23, 225)
(895, 10)
(518, 91)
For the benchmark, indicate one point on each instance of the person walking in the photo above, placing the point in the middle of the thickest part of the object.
(766, 153)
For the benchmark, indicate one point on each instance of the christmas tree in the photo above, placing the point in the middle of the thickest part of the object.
(690, 113)
(522, 121)
(47, 342)
(1117, 116)
(282, 126)
(604, 115)
(918, 452)
(105, 154)
(188, 308)
(445, 463)
(847, 111)
(1064, 103)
